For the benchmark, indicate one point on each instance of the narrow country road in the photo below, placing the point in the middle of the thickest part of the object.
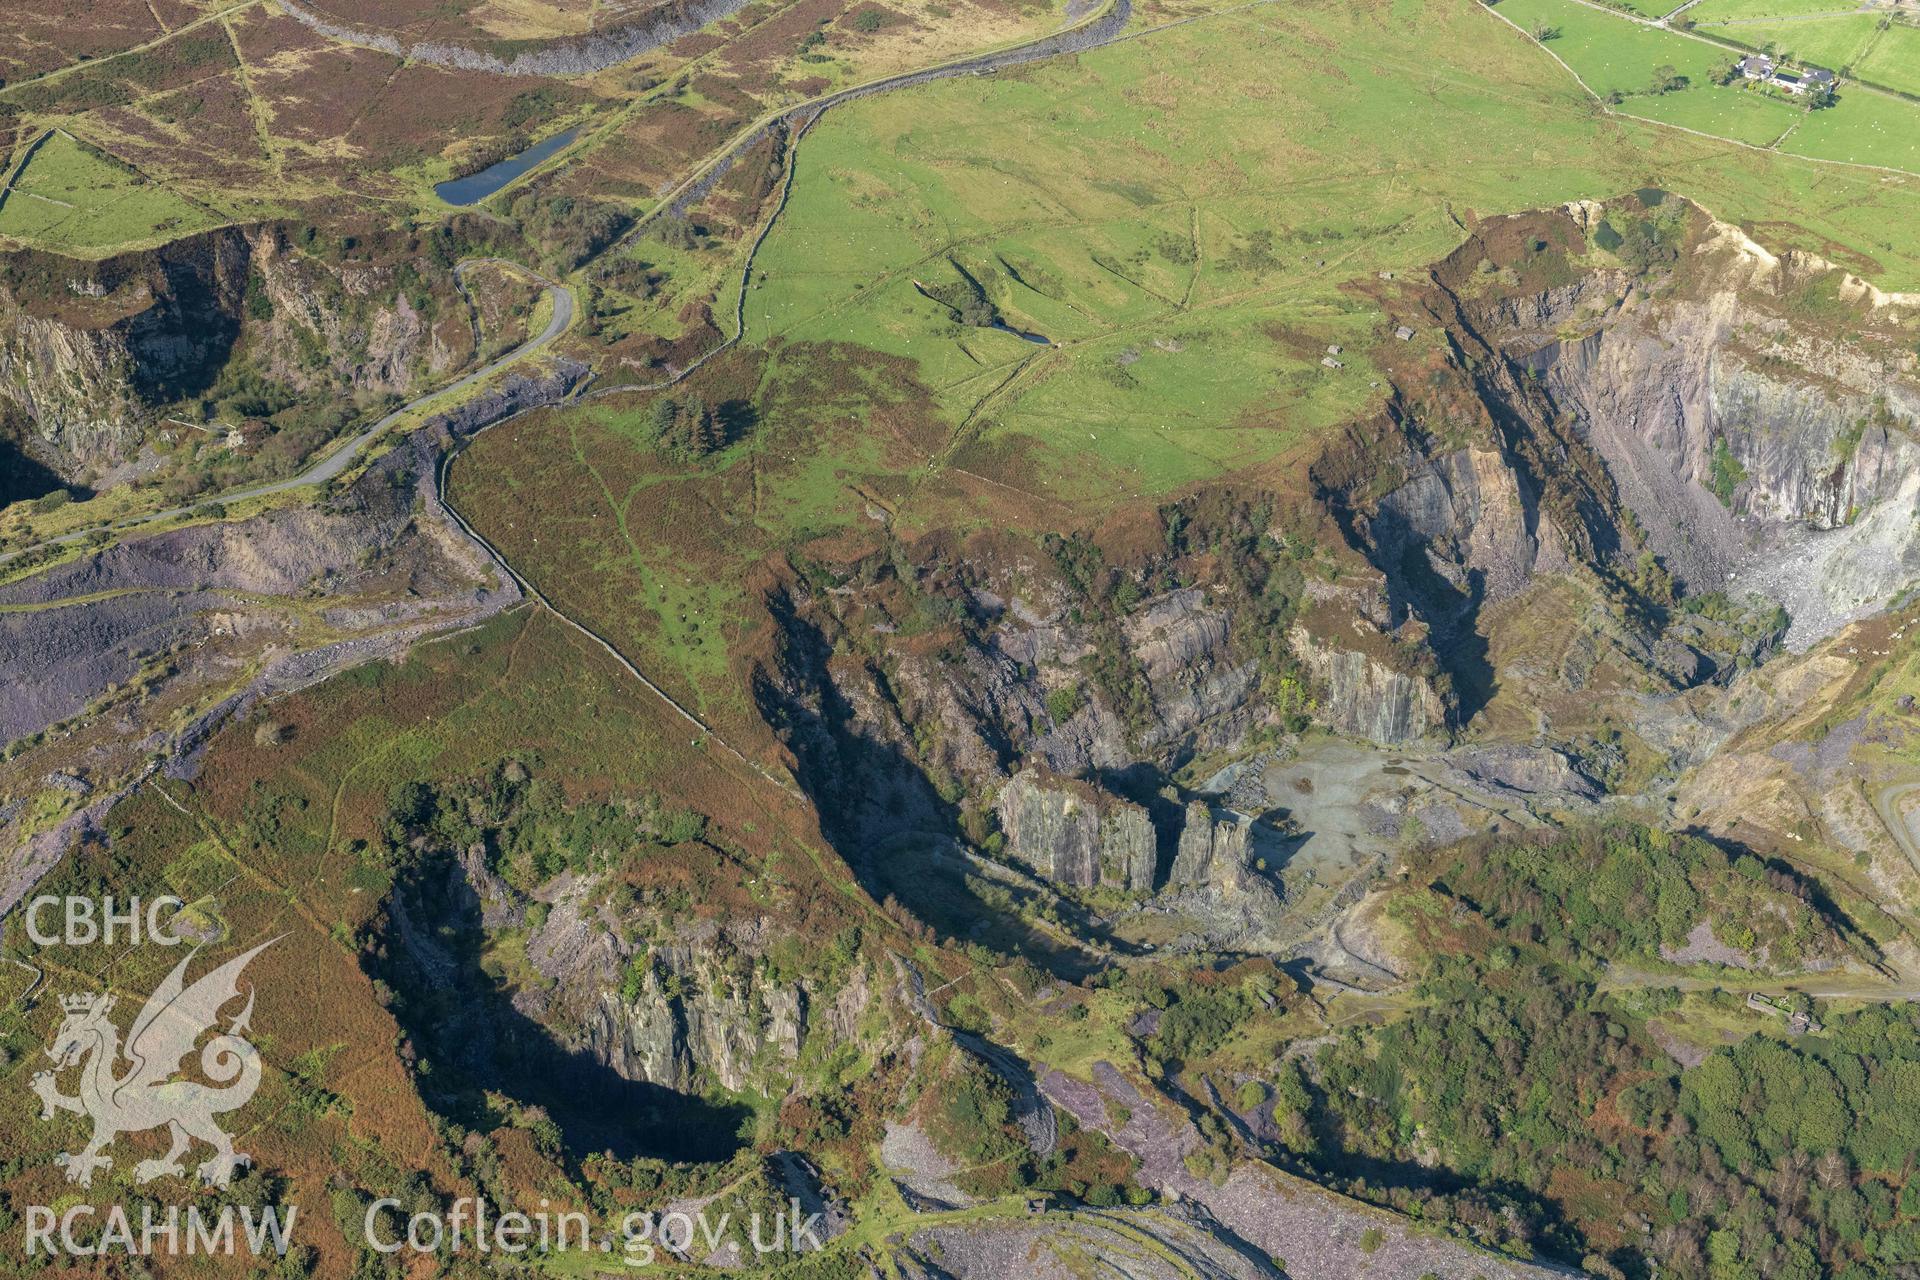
(349, 452)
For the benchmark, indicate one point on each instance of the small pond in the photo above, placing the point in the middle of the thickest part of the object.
(1004, 327)
(476, 187)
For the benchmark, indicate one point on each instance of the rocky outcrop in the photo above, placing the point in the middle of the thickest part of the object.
(692, 1010)
(689, 1026)
(1361, 695)
(1213, 852)
(1075, 834)
(1200, 691)
(1481, 511)
(1527, 771)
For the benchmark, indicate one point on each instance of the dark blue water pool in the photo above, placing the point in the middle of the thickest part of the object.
(1004, 327)
(476, 187)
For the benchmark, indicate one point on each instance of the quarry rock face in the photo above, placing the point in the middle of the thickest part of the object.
(1079, 836)
(684, 1013)
(1075, 834)
(91, 354)
(1476, 498)
(1363, 696)
(1755, 448)
(86, 359)
(1199, 690)
(1213, 852)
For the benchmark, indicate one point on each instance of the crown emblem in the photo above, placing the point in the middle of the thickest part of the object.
(77, 1004)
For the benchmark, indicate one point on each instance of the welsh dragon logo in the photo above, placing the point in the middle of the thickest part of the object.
(147, 1095)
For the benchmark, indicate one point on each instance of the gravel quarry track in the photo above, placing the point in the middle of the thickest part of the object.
(1903, 824)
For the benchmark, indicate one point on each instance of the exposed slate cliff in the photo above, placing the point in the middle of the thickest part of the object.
(1075, 834)
(1367, 698)
(687, 1012)
(91, 353)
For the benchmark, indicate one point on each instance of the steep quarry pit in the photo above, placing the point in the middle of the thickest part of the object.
(432, 947)
(1619, 438)
(1756, 413)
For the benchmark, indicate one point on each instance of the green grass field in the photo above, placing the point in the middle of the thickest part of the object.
(1825, 42)
(1894, 61)
(75, 200)
(1614, 55)
(1743, 115)
(1709, 11)
(1863, 128)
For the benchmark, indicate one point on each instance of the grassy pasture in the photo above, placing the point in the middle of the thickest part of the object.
(72, 199)
(1743, 115)
(1863, 128)
(1894, 60)
(1711, 11)
(1834, 42)
(1614, 55)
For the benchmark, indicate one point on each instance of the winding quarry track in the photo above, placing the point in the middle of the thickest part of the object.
(1902, 825)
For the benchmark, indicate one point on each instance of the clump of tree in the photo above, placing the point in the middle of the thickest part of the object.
(1595, 895)
(526, 826)
(966, 297)
(567, 230)
(1726, 472)
(1645, 245)
(1666, 80)
(1101, 596)
(689, 429)
(678, 232)
(1515, 1078)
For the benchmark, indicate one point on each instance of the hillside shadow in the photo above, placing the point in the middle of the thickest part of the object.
(1795, 880)
(473, 1041)
(898, 835)
(1558, 1239)
(196, 332)
(21, 478)
(1451, 610)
